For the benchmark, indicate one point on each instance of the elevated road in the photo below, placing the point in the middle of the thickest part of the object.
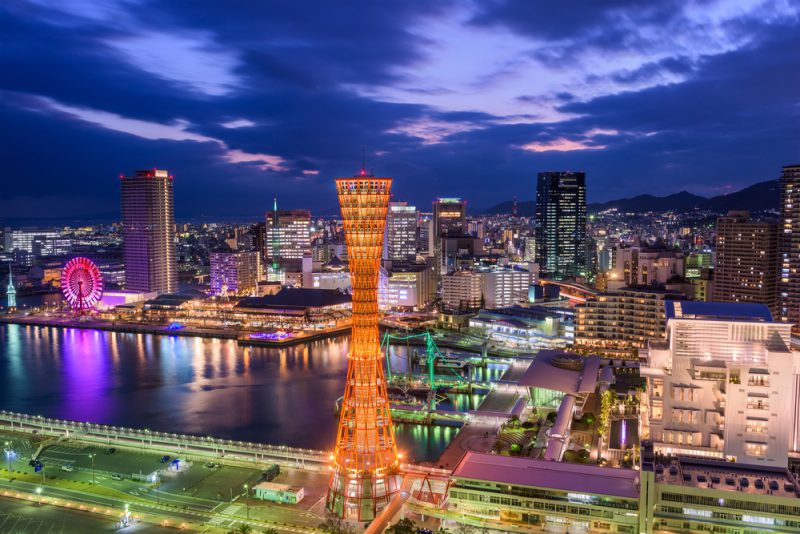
(232, 452)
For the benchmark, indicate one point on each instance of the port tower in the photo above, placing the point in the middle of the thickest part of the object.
(365, 462)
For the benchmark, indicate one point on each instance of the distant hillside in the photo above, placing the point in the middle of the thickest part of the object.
(758, 197)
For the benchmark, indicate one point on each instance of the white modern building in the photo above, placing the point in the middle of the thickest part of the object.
(401, 232)
(503, 288)
(723, 385)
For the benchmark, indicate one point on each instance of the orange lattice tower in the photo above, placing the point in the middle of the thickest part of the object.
(365, 463)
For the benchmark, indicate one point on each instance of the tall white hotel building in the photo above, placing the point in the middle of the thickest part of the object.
(723, 385)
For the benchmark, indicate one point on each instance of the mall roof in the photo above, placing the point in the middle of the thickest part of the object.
(290, 297)
(542, 373)
(578, 478)
(724, 311)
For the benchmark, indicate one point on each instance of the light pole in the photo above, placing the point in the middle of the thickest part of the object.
(247, 500)
(91, 456)
(9, 453)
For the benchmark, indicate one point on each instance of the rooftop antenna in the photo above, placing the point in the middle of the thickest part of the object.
(363, 161)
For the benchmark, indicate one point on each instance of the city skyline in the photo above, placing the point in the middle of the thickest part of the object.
(447, 99)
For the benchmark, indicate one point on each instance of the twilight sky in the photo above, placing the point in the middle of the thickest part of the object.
(245, 100)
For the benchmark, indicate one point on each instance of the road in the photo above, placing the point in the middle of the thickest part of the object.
(23, 517)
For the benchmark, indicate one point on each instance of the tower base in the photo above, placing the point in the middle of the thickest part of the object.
(360, 497)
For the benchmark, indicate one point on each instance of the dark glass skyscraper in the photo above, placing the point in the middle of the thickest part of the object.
(789, 247)
(561, 241)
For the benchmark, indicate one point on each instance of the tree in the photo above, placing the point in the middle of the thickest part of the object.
(270, 530)
(244, 528)
(465, 529)
(404, 526)
(334, 524)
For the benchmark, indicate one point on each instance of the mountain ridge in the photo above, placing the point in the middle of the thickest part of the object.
(761, 196)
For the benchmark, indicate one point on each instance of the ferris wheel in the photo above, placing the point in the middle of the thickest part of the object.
(82, 284)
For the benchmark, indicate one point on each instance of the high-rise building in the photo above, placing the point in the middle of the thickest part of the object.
(234, 273)
(450, 217)
(561, 241)
(789, 246)
(401, 232)
(426, 236)
(148, 222)
(449, 220)
(365, 463)
(746, 267)
(723, 385)
(288, 237)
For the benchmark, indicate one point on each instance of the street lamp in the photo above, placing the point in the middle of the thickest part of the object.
(247, 500)
(91, 456)
(9, 454)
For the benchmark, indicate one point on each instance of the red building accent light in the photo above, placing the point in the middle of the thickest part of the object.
(364, 474)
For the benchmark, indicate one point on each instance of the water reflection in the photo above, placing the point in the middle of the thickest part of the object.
(189, 385)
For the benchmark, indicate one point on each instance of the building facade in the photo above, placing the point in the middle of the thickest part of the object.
(746, 266)
(723, 385)
(288, 237)
(638, 266)
(234, 273)
(619, 322)
(503, 288)
(561, 240)
(401, 232)
(462, 291)
(789, 246)
(148, 222)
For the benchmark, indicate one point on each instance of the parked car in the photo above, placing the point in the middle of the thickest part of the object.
(67, 467)
(111, 450)
(117, 476)
(165, 459)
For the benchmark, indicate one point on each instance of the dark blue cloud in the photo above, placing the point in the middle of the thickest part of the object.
(304, 87)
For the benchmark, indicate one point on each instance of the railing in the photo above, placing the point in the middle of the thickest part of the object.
(185, 444)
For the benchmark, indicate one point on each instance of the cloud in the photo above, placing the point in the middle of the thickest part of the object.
(191, 60)
(177, 131)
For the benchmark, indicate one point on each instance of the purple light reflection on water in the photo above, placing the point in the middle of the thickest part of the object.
(85, 376)
(186, 385)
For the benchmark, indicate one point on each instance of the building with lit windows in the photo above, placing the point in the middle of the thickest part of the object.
(667, 495)
(620, 322)
(532, 328)
(498, 492)
(288, 237)
(28, 244)
(409, 286)
(639, 266)
(234, 273)
(503, 288)
(449, 220)
(462, 291)
(148, 222)
(789, 245)
(401, 232)
(561, 239)
(723, 385)
(746, 267)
